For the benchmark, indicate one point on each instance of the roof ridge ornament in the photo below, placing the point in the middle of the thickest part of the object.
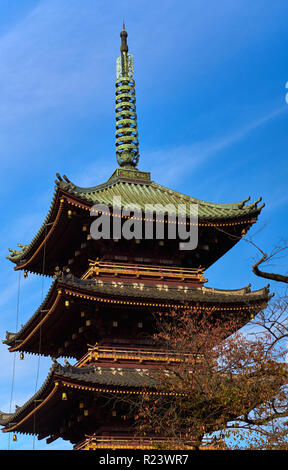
(127, 150)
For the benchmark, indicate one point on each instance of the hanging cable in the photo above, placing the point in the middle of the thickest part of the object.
(40, 335)
(14, 356)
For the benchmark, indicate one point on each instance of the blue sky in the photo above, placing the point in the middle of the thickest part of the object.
(212, 119)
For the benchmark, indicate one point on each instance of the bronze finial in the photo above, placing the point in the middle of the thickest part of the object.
(123, 35)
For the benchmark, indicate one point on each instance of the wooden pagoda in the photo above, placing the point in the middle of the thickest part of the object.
(99, 310)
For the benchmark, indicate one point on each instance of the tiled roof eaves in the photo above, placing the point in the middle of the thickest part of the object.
(153, 193)
(133, 378)
(12, 337)
(161, 291)
(7, 418)
(158, 293)
(141, 193)
(116, 376)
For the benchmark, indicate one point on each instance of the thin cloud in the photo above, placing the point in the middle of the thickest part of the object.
(185, 159)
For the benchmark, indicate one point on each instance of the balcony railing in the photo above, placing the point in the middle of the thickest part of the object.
(98, 353)
(99, 268)
(108, 442)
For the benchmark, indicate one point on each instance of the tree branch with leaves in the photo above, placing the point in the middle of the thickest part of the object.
(226, 384)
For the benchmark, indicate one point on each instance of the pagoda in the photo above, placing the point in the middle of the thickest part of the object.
(99, 313)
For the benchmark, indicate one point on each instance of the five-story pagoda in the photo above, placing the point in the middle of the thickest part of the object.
(99, 310)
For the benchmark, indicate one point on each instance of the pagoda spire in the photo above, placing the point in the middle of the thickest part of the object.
(127, 146)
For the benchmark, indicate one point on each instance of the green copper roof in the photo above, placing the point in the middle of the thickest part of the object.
(134, 186)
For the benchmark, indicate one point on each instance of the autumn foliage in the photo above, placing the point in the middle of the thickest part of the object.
(221, 383)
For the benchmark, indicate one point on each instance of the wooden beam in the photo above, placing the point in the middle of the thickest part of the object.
(52, 438)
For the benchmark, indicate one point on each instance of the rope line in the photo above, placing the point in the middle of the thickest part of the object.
(40, 337)
(14, 357)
